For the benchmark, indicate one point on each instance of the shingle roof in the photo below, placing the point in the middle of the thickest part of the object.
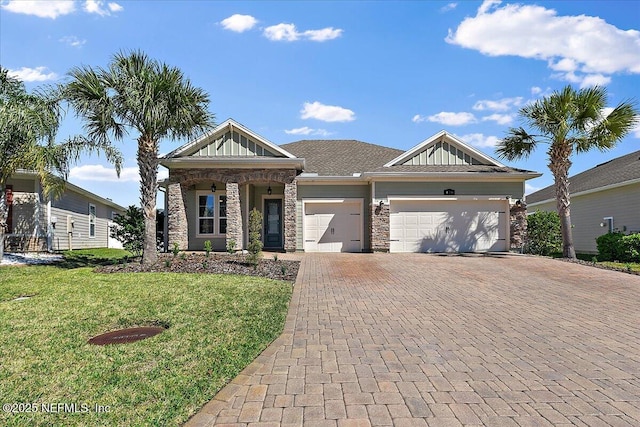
(340, 157)
(616, 171)
(452, 169)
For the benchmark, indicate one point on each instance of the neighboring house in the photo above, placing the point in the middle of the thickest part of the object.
(75, 220)
(603, 199)
(339, 195)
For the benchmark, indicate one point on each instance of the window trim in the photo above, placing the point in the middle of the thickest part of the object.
(92, 221)
(216, 217)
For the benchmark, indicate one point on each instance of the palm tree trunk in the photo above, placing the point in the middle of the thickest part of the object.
(4, 213)
(559, 165)
(148, 165)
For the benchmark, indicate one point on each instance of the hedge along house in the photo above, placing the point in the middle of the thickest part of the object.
(76, 219)
(341, 195)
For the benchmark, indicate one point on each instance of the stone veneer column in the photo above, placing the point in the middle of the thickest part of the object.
(379, 228)
(518, 219)
(234, 215)
(290, 232)
(176, 217)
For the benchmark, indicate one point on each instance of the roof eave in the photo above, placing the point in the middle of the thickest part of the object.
(235, 163)
(453, 175)
(589, 191)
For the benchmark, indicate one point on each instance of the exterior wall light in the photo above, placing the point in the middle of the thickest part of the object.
(213, 187)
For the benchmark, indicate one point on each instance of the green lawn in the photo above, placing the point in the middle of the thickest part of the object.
(217, 326)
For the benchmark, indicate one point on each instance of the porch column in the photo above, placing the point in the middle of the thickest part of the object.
(290, 198)
(234, 215)
(176, 217)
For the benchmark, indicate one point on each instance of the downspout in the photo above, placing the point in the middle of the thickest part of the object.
(49, 228)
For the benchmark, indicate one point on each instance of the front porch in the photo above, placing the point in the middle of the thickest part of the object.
(214, 204)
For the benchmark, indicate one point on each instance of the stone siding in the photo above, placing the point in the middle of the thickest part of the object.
(379, 228)
(234, 215)
(518, 218)
(290, 197)
(178, 227)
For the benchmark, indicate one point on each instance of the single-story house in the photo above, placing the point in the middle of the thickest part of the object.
(77, 219)
(603, 199)
(340, 195)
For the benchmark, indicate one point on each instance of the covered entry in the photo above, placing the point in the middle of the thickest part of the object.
(334, 225)
(448, 225)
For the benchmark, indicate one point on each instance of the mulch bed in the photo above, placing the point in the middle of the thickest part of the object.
(603, 267)
(214, 263)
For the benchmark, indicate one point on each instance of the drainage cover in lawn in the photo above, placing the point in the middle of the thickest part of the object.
(128, 335)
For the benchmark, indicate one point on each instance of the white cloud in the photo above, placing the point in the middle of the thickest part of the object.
(73, 41)
(42, 9)
(528, 189)
(636, 131)
(115, 7)
(38, 74)
(448, 7)
(98, 7)
(307, 131)
(418, 118)
(452, 119)
(322, 35)
(289, 33)
(239, 23)
(104, 174)
(326, 113)
(108, 173)
(280, 32)
(535, 90)
(501, 119)
(479, 140)
(583, 49)
(504, 104)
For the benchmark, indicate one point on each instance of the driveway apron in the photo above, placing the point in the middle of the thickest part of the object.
(417, 340)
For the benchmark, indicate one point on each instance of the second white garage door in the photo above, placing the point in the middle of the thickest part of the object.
(448, 225)
(333, 226)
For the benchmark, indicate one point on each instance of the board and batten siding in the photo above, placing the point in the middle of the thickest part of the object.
(589, 210)
(333, 192)
(237, 145)
(393, 188)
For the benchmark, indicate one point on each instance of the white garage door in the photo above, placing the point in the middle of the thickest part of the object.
(333, 226)
(448, 226)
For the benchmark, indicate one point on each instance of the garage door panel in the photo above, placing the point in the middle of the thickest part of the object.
(332, 227)
(447, 226)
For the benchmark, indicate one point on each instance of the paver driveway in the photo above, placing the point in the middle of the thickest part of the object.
(381, 339)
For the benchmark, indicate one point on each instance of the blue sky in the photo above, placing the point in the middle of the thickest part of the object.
(389, 73)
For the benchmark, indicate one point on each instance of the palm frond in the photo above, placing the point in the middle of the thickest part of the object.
(517, 144)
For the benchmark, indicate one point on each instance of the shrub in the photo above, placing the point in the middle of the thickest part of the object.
(231, 246)
(543, 233)
(130, 230)
(207, 247)
(255, 244)
(619, 247)
(610, 246)
(176, 249)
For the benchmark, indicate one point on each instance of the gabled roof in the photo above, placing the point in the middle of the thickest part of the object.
(457, 153)
(619, 171)
(339, 157)
(229, 139)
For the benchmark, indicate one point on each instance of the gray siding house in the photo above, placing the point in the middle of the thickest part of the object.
(340, 195)
(78, 219)
(603, 199)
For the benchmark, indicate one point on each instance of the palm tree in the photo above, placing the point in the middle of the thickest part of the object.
(569, 121)
(136, 93)
(28, 126)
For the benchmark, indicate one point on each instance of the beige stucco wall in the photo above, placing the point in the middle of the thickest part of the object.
(588, 211)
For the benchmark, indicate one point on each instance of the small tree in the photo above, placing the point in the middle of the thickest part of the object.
(543, 233)
(255, 244)
(130, 230)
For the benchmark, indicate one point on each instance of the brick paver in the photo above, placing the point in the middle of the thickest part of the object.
(414, 339)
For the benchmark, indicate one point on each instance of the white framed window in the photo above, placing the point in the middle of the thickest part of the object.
(211, 217)
(92, 220)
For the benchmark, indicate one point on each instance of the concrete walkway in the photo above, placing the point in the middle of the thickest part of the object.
(416, 340)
